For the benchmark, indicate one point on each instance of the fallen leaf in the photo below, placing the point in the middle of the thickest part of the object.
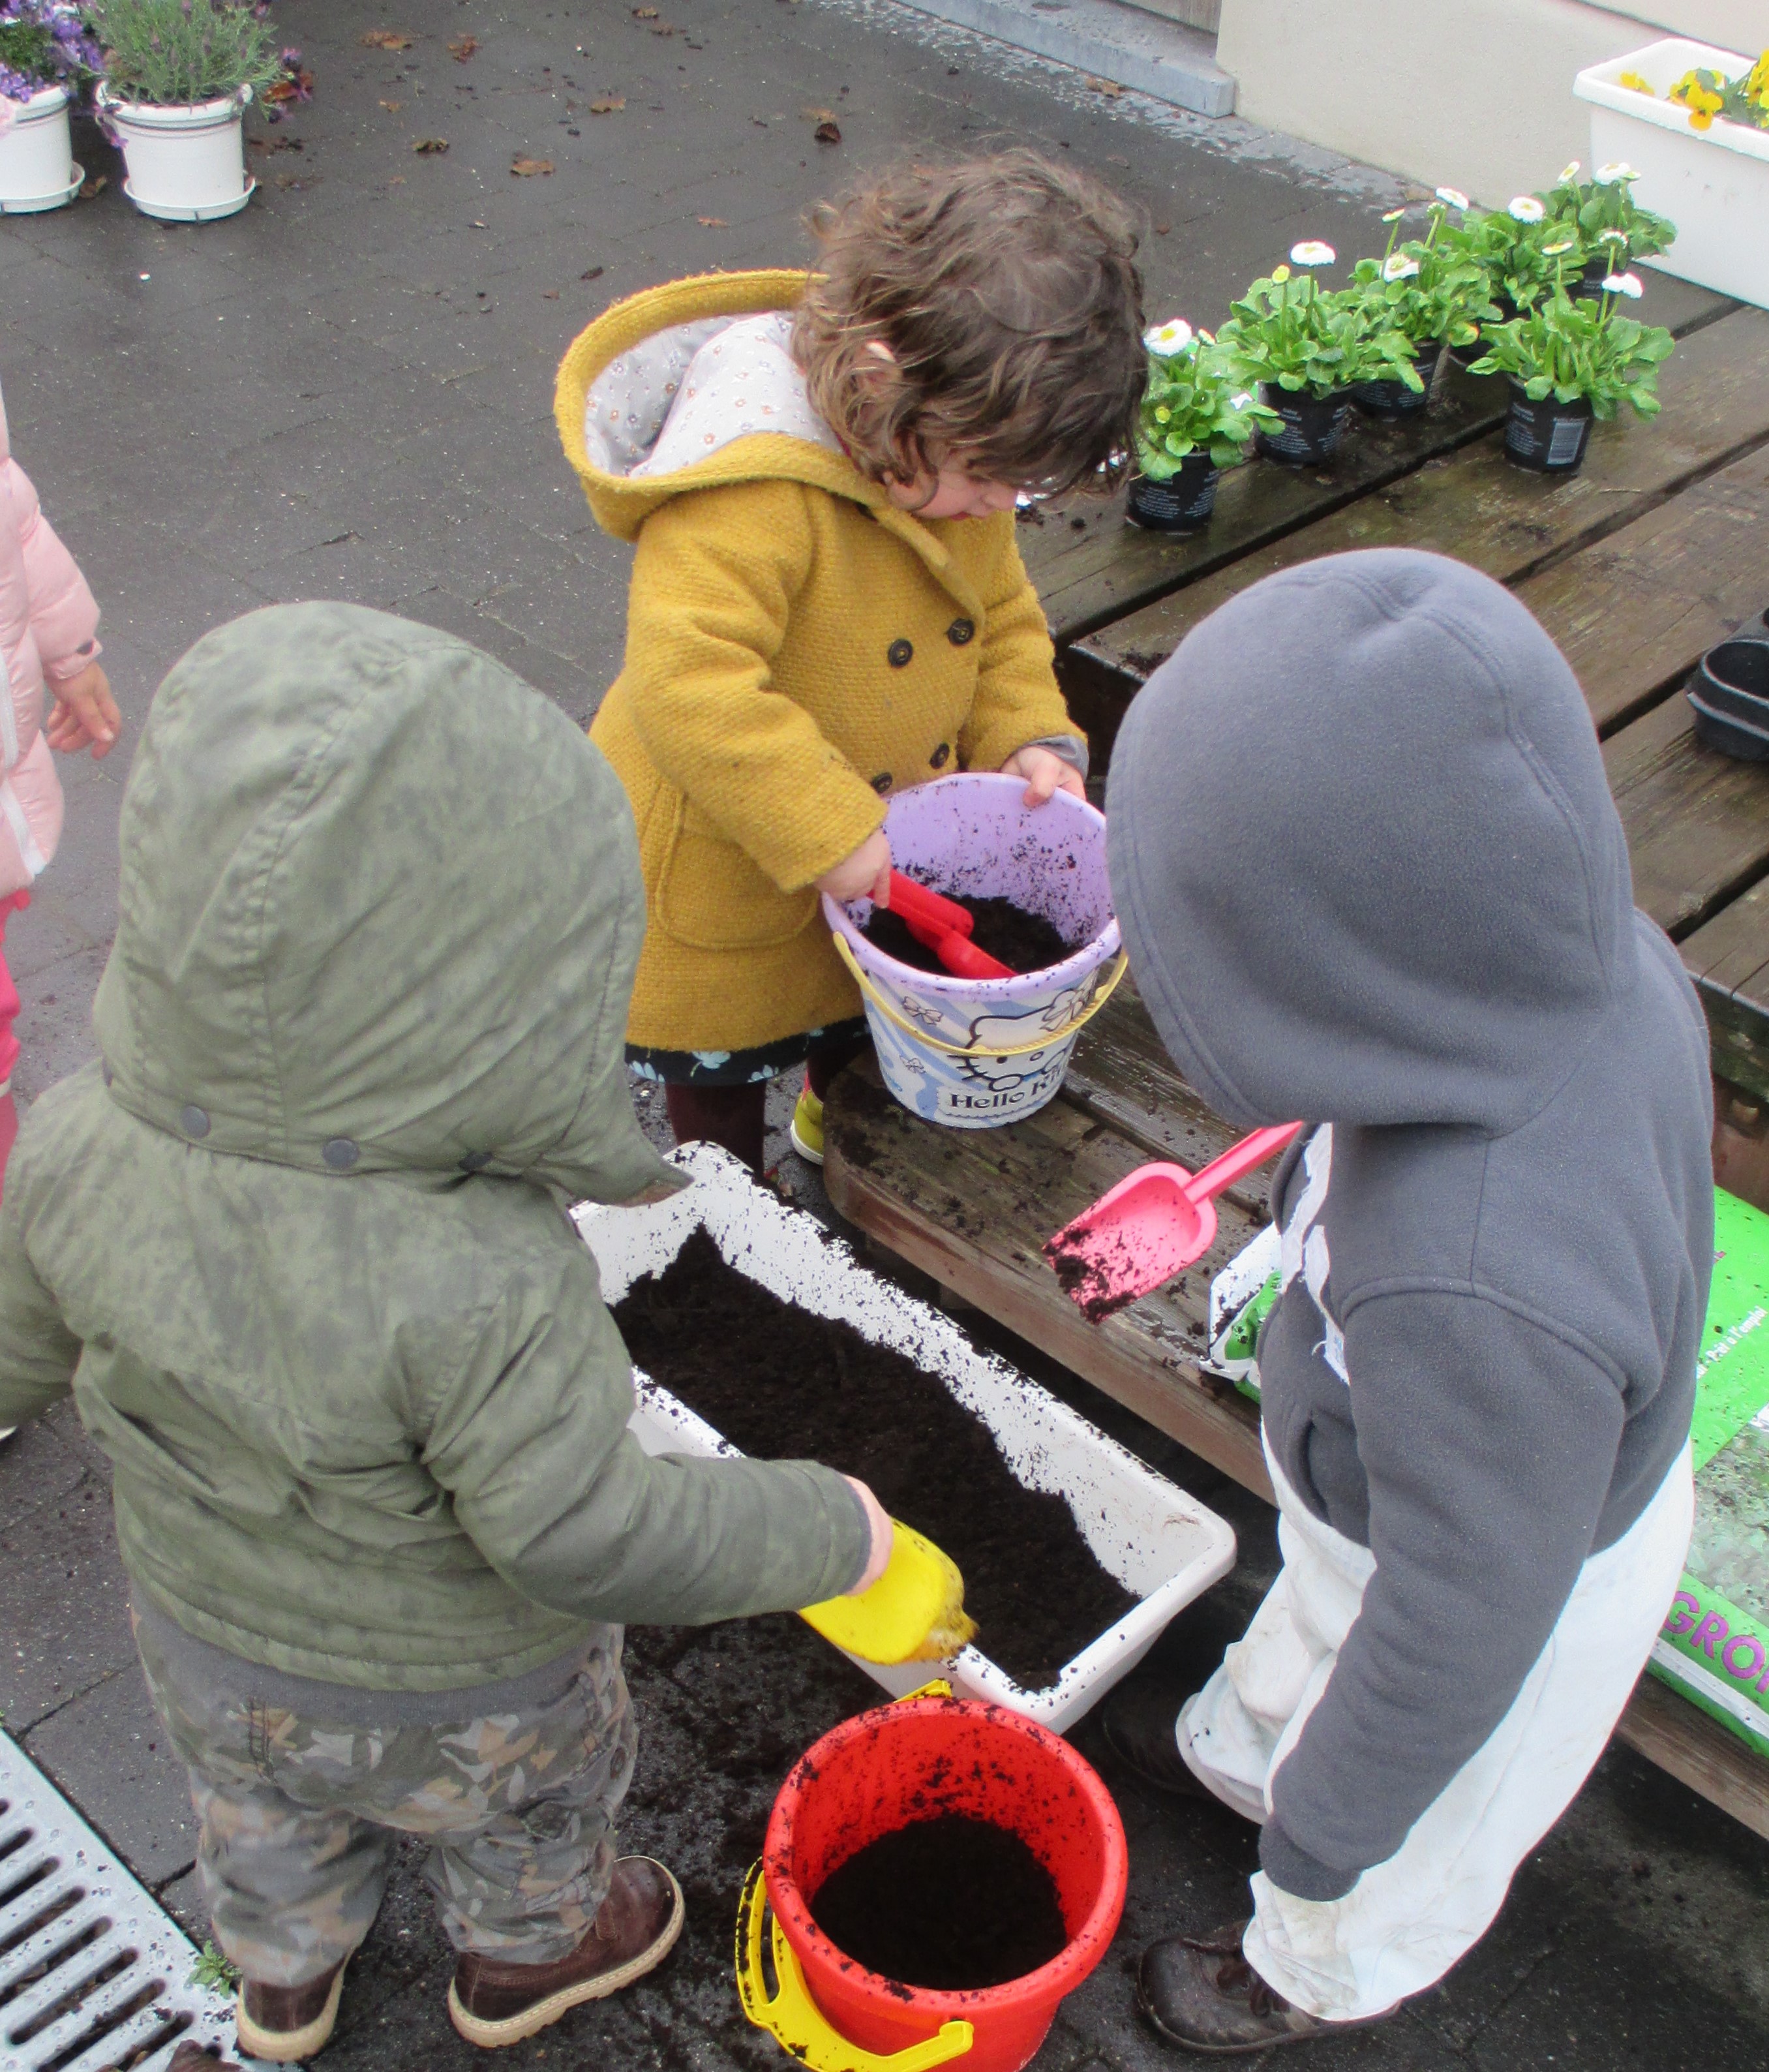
(392, 107)
(644, 14)
(817, 114)
(431, 147)
(95, 184)
(595, 273)
(1161, 229)
(713, 223)
(525, 169)
(1109, 87)
(298, 180)
(610, 104)
(398, 180)
(462, 47)
(386, 40)
(827, 132)
(549, 295)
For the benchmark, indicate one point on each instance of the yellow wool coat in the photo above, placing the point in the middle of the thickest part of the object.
(797, 650)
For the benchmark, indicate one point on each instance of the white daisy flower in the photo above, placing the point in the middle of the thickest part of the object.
(1240, 402)
(1454, 196)
(1165, 339)
(1312, 252)
(1394, 216)
(1554, 251)
(1613, 237)
(1398, 267)
(1568, 171)
(1624, 284)
(1525, 208)
(1617, 168)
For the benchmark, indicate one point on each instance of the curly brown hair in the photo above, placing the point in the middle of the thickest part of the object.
(1005, 295)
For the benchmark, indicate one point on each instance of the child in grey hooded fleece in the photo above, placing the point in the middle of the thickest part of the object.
(1369, 874)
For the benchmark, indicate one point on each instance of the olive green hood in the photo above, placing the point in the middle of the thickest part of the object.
(380, 912)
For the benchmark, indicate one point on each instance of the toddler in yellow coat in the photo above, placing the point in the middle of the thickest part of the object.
(828, 604)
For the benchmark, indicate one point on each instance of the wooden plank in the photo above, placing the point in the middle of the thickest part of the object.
(1729, 960)
(1697, 822)
(1121, 1075)
(972, 1208)
(1697, 1751)
(1504, 520)
(1634, 613)
(1090, 566)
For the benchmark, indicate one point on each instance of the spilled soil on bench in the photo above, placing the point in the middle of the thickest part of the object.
(954, 1904)
(781, 1383)
(1023, 942)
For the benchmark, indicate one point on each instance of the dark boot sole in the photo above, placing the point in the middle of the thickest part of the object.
(1321, 2030)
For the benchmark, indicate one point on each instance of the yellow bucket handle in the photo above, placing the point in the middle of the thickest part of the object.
(1102, 994)
(793, 2017)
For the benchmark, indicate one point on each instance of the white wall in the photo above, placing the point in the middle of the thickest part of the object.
(1477, 94)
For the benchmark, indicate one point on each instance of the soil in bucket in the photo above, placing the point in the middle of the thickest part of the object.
(780, 1383)
(954, 1904)
(1023, 942)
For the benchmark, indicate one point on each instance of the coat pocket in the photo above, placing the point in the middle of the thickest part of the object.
(712, 895)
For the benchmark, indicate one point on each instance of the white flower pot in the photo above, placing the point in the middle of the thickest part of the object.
(36, 168)
(1713, 183)
(186, 165)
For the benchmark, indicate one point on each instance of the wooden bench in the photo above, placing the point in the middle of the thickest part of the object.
(1655, 550)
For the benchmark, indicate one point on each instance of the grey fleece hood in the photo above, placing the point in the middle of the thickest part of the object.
(380, 910)
(1323, 921)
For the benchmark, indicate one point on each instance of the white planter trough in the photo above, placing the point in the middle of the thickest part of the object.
(36, 168)
(1158, 1542)
(185, 164)
(1713, 183)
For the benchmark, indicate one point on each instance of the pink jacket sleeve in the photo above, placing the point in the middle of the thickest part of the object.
(63, 611)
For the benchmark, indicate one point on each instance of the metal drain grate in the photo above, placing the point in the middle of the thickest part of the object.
(93, 1972)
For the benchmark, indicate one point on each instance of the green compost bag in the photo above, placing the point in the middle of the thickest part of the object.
(1714, 1647)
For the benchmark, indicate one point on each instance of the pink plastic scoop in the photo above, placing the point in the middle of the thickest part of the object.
(1153, 1224)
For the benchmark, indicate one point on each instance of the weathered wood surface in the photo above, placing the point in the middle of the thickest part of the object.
(1475, 505)
(1698, 1751)
(1729, 960)
(1091, 567)
(973, 1208)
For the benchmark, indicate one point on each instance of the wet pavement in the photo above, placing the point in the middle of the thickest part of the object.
(346, 392)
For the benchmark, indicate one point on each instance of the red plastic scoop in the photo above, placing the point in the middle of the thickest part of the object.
(945, 927)
(1153, 1224)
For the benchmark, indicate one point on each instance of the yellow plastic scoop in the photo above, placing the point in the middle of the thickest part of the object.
(914, 1613)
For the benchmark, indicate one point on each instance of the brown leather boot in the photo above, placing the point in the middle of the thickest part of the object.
(284, 2023)
(493, 2002)
(1201, 1993)
(188, 2058)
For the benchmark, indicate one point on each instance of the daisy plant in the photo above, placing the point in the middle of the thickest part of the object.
(1588, 352)
(42, 43)
(1600, 212)
(1430, 289)
(1194, 404)
(1289, 332)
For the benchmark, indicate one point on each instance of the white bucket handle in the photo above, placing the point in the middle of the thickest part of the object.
(1102, 994)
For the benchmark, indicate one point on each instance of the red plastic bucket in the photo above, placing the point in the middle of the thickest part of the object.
(910, 1762)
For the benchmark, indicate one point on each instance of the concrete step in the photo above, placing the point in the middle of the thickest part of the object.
(1126, 44)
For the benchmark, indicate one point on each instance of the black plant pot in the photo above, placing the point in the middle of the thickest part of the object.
(1549, 437)
(1393, 398)
(1730, 692)
(1182, 503)
(1465, 355)
(1589, 286)
(1311, 428)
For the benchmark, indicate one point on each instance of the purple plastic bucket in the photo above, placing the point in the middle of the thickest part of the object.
(970, 1053)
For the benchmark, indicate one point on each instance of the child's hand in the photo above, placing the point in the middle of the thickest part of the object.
(84, 714)
(866, 874)
(883, 1533)
(1045, 772)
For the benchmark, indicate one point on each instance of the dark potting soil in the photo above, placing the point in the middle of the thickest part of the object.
(1095, 1271)
(1023, 942)
(952, 1904)
(780, 1383)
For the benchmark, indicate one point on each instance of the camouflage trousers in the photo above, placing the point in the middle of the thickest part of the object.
(299, 1817)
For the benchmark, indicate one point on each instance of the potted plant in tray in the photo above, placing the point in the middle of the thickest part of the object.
(1434, 292)
(178, 76)
(44, 52)
(1196, 418)
(1307, 348)
(1569, 363)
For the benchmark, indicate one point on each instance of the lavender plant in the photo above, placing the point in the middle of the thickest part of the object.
(181, 53)
(42, 43)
